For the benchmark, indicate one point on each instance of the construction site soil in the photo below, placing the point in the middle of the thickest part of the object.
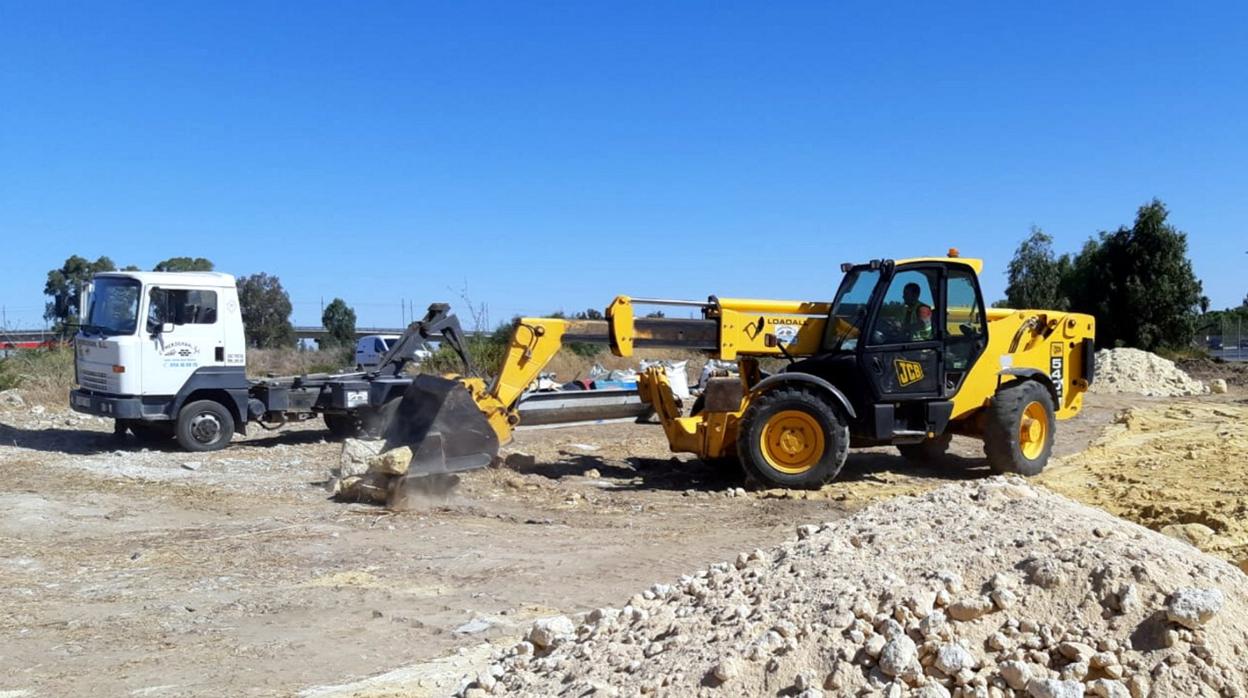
(156, 572)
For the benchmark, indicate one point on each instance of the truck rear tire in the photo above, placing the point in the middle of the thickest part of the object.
(1018, 434)
(791, 437)
(204, 425)
(151, 433)
(342, 426)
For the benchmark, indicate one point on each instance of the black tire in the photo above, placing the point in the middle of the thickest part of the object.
(1002, 429)
(341, 426)
(928, 451)
(825, 462)
(204, 425)
(152, 433)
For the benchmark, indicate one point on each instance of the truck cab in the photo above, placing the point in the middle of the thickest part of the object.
(150, 343)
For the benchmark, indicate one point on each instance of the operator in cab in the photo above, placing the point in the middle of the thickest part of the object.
(916, 324)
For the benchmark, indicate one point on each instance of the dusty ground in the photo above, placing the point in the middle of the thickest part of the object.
(126, 572)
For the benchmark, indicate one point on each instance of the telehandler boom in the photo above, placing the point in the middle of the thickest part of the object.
(906, 354)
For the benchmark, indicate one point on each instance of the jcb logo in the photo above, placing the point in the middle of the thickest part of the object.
(908, 372)
(1057, 368)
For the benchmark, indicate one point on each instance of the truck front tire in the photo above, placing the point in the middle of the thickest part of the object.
(204, 425)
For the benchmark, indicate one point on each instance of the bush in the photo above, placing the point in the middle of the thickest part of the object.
(293, 362)
(44, 376)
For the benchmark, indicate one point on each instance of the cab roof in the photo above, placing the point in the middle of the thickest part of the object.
(213, 279)
(975, 264)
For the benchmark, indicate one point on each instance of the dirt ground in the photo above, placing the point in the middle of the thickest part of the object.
(156, 572)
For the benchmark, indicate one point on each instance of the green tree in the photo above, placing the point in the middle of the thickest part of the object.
(184, 264)
(339, 320)
(1035, 274)
(65, 285)
(266, 309)
(1138, 282)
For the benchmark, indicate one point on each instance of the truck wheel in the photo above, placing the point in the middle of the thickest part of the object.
(1018, 434)
(204, 425)
(790, 437)
(151, 433)
(342, 426)
(927, 451)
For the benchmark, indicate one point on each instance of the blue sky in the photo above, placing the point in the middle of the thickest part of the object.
(552, 155)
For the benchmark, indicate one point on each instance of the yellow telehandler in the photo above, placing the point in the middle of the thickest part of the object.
(905, 354)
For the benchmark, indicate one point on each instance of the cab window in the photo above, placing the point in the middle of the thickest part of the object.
(963, 314)
(180, 307)
(379, 346)
(906, 311)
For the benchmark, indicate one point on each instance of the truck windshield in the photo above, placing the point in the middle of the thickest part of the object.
(849, 310)
(113, 308)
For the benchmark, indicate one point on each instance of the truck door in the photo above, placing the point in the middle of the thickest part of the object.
(903, 352)
(181, 334)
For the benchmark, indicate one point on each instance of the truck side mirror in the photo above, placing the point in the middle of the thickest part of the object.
(166, 328)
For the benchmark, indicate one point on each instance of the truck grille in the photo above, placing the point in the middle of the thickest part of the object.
(93, 380)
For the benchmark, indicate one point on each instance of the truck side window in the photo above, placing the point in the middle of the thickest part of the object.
(379, 346)
(181, 307)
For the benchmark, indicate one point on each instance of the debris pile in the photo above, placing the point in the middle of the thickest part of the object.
(1143, 373)
(993, 588)
(366, 473)
(1176, 467)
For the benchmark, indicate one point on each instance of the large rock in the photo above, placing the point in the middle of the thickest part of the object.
(547, 631)
(11, 398)
(392, 462)
(898, 655)
(369, 487)
(952, 658)
(355, 456)
(1218, 386)
(1052, 688)
(1192, 608)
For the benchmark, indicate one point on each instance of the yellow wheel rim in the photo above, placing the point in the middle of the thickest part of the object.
(1033, 430)
(792, 441)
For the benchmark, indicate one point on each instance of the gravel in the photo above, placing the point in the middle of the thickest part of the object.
(1142, 373)
(1097, 606)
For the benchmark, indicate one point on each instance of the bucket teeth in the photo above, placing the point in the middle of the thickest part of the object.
(439, 420)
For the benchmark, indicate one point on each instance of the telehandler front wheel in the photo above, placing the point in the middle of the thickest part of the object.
(791, 437)
(1018, 434)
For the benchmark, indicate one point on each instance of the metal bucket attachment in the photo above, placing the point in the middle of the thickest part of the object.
(446, 430)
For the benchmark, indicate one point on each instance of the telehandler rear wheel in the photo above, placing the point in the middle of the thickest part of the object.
(791, 437)
(1018, 434)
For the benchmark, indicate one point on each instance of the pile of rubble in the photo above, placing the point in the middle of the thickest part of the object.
(1140, 372)
(990, 589)
(366, 473)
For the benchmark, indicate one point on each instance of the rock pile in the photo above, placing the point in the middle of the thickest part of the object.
(989, 589)
(1141, 372)
(366, 473)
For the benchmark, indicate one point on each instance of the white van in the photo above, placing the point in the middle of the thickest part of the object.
(370, 348)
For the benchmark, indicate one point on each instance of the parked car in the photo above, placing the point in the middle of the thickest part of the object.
(370, 348)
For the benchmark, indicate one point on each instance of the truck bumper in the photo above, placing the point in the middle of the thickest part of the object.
(114, 406)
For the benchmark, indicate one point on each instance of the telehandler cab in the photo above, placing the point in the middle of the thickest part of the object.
(906, 354)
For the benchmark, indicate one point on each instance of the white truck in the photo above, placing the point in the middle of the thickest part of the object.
(164, 355)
